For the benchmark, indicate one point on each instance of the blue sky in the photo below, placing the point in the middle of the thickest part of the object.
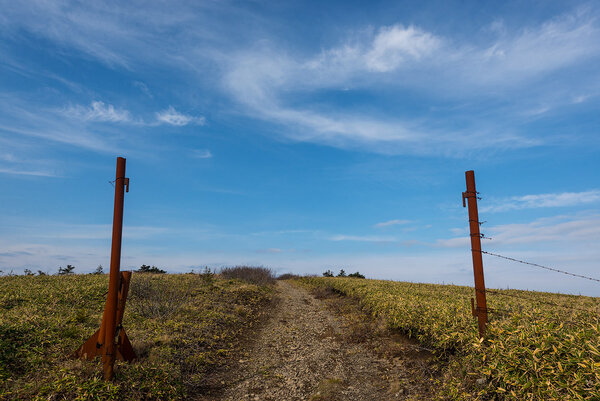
(303, 136)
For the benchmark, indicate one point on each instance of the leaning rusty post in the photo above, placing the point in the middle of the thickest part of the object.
(102, 342)
(110, 310)
(471, 195)
(94, 346)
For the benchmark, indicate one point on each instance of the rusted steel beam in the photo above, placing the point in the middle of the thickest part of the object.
(471, 197)
(103, 341)
(110, 310)
(94, 346)
(124, 348)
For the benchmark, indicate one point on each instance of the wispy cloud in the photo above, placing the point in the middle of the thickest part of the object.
(396, 44)
(555, 229)
(202, 154)
(23, 117)
(36, 173)
(99, 111)
(391, 223)
(173, 117)
(265, 79)
(144, 88)
(268, 79)
(362, 238)
(565, 229)
(543, 201)
(270, 250)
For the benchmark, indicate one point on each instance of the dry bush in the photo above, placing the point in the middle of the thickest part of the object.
(254, 275)
(153, 297)
(288, 276)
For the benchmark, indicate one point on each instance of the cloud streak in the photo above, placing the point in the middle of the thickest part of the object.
(173, 117)
(35, 173)
(202, 154)
(391, 223)
(99, 111)
(562, 199)
(566, 230)
(363, 238)
(265, 81)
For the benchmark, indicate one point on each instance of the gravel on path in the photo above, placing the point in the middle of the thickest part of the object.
(303, 352)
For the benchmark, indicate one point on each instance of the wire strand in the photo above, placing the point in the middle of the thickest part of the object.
(538, 265)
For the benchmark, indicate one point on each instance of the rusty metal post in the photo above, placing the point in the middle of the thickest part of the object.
(94, 346)
(471, 196)
(110, 340)
(110, 310)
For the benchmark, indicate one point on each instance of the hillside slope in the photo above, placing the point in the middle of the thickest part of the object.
(538, 346)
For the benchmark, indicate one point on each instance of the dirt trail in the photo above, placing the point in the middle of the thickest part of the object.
(303, 352)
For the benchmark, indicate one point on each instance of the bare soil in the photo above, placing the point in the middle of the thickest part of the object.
(322, 347)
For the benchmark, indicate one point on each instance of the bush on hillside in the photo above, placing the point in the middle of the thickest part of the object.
(287, 276)
(149, 269)
(254, 275)
(65, 270)
(151, 297)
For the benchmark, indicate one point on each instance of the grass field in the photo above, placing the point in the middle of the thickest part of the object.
(181, 327)
(532, 350)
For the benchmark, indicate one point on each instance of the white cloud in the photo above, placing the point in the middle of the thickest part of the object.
(364, 238)
(543, 200)
(36, 173)
(99, 111)
(202, 154)
(270, 250)
(263, 80)
(566, 230)
(144, 88)
(550, 46)
(395, 45)
(391, 223)
(21, 117)
(173, 117)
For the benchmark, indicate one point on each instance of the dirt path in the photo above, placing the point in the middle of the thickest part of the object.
(306, 352)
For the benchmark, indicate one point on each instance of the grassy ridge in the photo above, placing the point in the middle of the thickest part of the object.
(533, 352)
(181, 327)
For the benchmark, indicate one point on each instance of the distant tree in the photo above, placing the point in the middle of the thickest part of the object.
(342, 273)
(356, 275)
(99, 270)
(150, 269)
(28, 272)
(328, 273)
(66, 270)
(41, 273)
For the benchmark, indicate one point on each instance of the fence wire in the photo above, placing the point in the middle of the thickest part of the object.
(538, 265)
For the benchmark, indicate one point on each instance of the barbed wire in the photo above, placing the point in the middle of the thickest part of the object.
(538, 265)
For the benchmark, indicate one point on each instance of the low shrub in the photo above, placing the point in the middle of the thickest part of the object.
(152, 297)
(287, 276)
(150, 269)
(254, 275)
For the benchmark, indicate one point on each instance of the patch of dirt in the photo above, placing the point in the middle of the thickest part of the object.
(326, 349)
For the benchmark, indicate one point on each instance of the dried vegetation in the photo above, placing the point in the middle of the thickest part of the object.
(532, 351)
(182, 327)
